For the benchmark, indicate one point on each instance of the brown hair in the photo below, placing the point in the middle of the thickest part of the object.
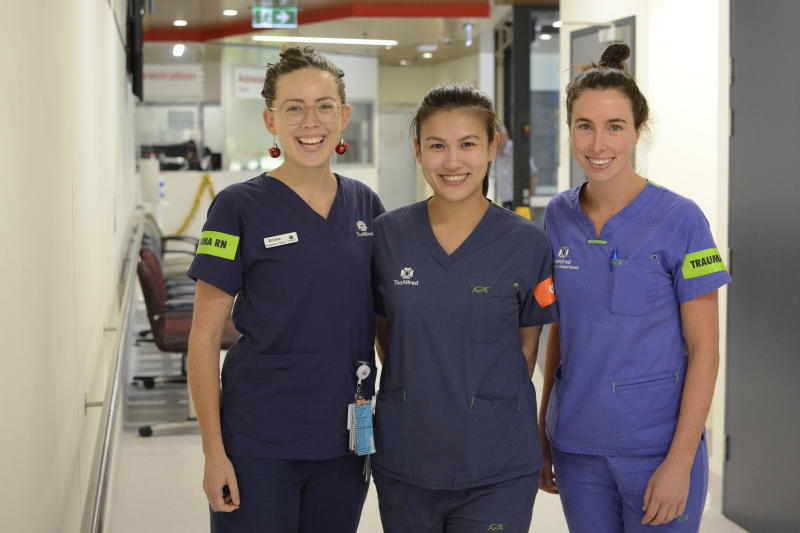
(611, 73)
(453, 96)
(295, 58)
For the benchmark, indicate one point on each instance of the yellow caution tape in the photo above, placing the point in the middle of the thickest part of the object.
(207, 182)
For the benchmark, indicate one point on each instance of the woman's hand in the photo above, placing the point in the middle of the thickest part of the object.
(219, 473)
(547, 480)
(667, 492)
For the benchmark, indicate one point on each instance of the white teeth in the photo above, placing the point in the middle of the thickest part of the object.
(311, 140)
(455, 178)
(600, 161)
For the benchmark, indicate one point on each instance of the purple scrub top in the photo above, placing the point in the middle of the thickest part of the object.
(623, 354)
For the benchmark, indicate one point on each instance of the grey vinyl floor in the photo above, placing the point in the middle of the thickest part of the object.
(156, 481)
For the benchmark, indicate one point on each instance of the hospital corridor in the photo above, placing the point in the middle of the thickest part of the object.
(401, 266)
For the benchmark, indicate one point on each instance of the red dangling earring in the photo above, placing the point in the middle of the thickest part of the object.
(342, 146)
(274, 151)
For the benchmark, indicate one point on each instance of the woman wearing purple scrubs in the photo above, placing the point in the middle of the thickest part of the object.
(631, 366)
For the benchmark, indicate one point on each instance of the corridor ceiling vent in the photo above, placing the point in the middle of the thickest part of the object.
(427, 47)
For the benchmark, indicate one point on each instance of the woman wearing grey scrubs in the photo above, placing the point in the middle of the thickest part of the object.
(462, 289)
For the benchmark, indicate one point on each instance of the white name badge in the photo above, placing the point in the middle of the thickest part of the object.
(280, 240)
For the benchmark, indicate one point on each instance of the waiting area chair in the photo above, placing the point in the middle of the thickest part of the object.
(170, 323)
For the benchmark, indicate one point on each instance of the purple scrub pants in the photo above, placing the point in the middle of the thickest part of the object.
(296, 496)
(603, 494)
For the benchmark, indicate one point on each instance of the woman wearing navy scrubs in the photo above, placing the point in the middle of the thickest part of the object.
(631, 366)
(465, 287)
(292, 248)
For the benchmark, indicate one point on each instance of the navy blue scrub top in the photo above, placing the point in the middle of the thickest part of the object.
(456, 408)
(304, 310)
(623, 353)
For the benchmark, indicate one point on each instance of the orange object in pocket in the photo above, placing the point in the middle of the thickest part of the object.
(545, 293)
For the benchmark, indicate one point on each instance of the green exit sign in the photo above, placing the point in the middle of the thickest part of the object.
(274, 17)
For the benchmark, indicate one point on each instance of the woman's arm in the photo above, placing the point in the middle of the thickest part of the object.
(668, 488)
(212, 307)
(530, 345)
(552, 360)
(380, 336)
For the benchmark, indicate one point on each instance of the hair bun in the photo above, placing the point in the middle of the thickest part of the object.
(615, 56)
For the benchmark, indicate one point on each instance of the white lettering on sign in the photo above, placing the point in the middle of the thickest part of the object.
(168, 82)
(248, 82)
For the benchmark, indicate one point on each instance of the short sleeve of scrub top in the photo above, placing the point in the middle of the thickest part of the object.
(304, 308)
(456, 408)
(623, 353)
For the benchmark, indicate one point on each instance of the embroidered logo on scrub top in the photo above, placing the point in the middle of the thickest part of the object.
(363, 227)
(683, 518)
(481, 290)
(496, 527)
(562, 262)
(406, 273)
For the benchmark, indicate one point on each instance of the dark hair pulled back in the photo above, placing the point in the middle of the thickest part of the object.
(295, 58)
(611, 73)
(455, 96)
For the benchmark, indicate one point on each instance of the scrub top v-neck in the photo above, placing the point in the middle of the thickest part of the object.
(456, 408)
(304, 309)
(623, 353)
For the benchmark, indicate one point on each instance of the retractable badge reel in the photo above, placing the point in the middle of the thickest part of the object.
(359, 422)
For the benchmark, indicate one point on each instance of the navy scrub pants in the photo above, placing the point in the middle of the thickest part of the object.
(504, 506)
(296, 496)
(603, 493)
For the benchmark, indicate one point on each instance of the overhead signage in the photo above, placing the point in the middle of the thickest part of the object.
(274, 17)
(168, 82)
(248, 82)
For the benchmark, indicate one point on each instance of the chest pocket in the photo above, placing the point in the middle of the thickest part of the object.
(630, 287)
(492, 308)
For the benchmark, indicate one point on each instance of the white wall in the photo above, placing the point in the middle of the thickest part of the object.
(66, 145)
(682, 50)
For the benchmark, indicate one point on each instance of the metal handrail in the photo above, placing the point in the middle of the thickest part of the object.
(94, 509)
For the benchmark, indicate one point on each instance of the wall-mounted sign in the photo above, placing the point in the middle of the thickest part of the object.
(168, 82)
(274, 17)
(248, 82)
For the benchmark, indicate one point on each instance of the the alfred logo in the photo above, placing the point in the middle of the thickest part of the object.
(406, 273)
(563, 252)
(362, 227)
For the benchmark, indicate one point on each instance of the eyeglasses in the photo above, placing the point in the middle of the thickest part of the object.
(294, 112)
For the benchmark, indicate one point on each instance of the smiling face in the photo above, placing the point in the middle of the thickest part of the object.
(603, 135)
(454, 151)
(311, 142)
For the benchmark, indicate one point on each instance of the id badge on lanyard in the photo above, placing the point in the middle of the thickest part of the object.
(359, 422)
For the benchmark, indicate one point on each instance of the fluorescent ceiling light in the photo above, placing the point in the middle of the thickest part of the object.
(427, 55)
(403, 62)
(321, 40)
(427, 47)
(230, 12)
(468, 27)
(178, 49)
(545, 37)
(557, 24)
(180, 23)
